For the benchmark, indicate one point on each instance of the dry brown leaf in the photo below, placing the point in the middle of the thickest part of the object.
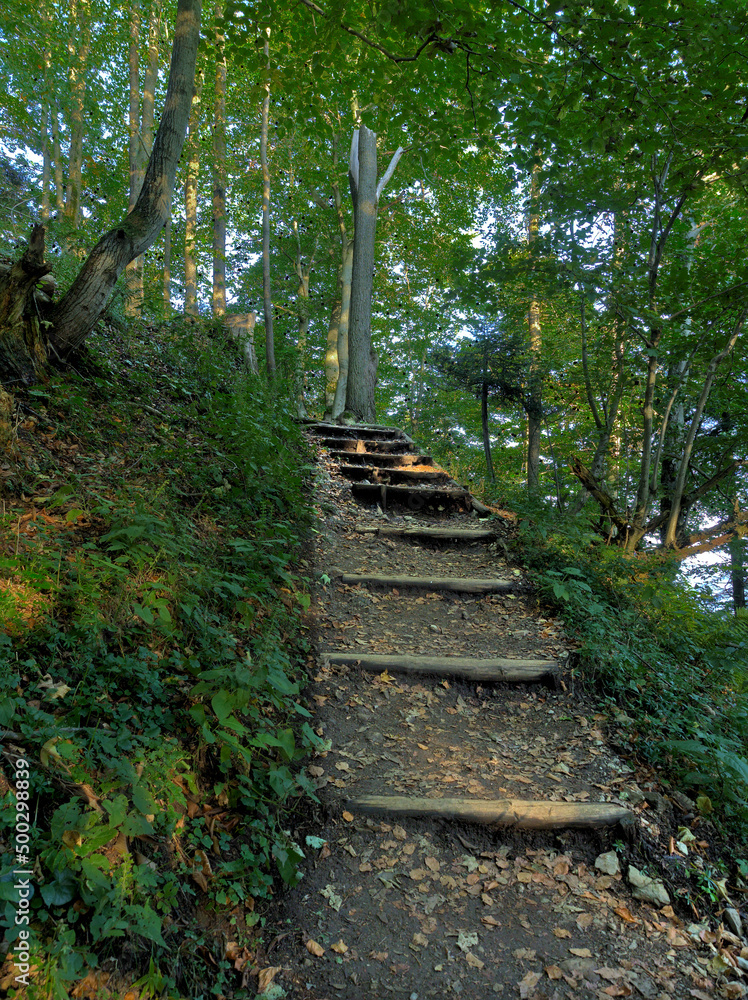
(561, 932)
(398, 833)
(420, 940)
(581, 952)
(618, 990)
(625, 914)
(584, 921)
(348, 817)
(432, 864)
(315, 949)
(314, 771)
(490, 922)
(340, 948)
(473, 962)
(553, 972)
(365, 867)
(266, 976)
(486, 899)
(527, 985)
(379, 956)
(91, 986)
(417, 874)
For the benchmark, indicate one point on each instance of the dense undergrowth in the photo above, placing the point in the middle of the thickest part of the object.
(152, 600)
(673, 669)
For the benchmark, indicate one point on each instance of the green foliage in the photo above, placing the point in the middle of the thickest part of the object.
(150, 658)
(673, 668)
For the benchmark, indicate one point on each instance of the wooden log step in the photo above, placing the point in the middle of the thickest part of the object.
(394, 476)
(414, 498)
(382, 461)
(456, 584)
(360, 431)
(520, 814)
(438, 534)
(366, 446)
(497, 670)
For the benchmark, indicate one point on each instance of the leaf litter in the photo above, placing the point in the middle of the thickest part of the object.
(434, 910)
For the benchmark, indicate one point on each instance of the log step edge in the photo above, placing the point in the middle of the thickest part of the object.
(495, 670)
(454, 584)
(519, 814)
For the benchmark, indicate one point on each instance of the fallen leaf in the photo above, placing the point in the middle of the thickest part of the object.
(340, 948)
(528, 954)
(432, 864)
(581, 952)
(378, 956)
(553, 972)
(315, 949)
(584, 921)
(398, 833)
(625, 914)
(490, 922)
(561, 932)
(266, 976)
(474, 962)
(419, 940)
(527, 985)
(348, 817)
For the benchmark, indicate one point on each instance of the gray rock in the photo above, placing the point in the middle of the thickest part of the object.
(608, 863)
(733, 921)
(648, 889)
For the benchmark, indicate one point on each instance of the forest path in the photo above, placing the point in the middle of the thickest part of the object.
(439, 904)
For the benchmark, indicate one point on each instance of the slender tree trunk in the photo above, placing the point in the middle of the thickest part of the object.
(166, 288)
(190, 203)
(737, 572)
(332, 365)
(141, 133)
(79, 45)
(345, 313)
(132, 301)
(47, 164)
(267, 303)
(534, 400)
(484, 428)
(78, 310)
(219, 169)
(57, 161)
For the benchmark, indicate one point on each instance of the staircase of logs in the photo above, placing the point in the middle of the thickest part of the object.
(386, 469)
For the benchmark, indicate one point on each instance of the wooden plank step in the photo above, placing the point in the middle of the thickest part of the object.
(365, 446)
(360, 431)
(456, 584)
(382, 461)
(438, 534)
(520, 814)
(412, 497)
(496, 670)
(394, 476)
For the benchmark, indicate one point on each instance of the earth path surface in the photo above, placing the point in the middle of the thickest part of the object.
(402, 906)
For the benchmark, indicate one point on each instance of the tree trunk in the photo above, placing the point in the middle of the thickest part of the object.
(267, 303)
(78, 310)
(359, 403)
(22, 353)
(534, 400)
(737, 572)
(241, 328)
(332, 365)
(132, 302)
(79, 44)
(166, 288)
(484, 427)
(47, 165)
(141, 134)
(190, 202)
(57, 161)
(341, 388)
(219, 169)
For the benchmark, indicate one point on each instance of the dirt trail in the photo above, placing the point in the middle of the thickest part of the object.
(392, 905)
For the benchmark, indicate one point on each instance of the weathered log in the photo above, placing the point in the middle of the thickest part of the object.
(439, 534)
(23, 354)
(495, 670)
(521, 814)
(456, 584)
